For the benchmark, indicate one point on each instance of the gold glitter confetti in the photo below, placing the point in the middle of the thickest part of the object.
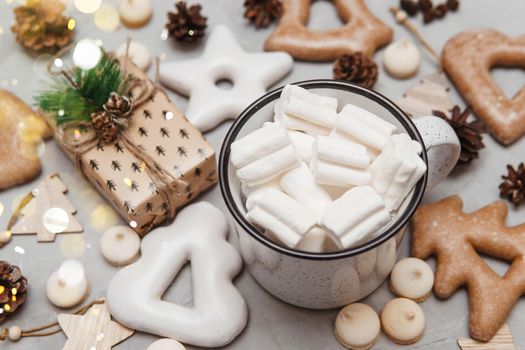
(71, 24)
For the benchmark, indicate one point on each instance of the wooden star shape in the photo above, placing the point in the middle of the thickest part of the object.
(92, 331)
(251, 74)
(502, 340)
(362, 31)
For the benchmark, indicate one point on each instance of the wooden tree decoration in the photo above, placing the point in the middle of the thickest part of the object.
(455, 237)
(49, 212)
(432, 93)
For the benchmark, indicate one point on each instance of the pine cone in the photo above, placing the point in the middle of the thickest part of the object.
(428, 16)
(262, 12)
(513, 185)
(356, 68)
(13, 289)
(453, 5)
(187, 24)
(425, 5)
(105, 126)
(469, 133)
(409, 6)
(119, 106)
(40, 25)
(440, 11)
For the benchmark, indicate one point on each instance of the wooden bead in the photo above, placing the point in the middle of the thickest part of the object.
(15, 333)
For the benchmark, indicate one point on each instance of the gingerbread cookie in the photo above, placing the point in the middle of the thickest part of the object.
(467, 59)
(362, 32)
(443, 229)
(20, 131)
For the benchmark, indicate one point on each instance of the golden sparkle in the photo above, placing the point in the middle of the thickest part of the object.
(71, 24)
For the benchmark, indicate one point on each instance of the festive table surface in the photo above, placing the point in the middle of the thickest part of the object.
(272, 323)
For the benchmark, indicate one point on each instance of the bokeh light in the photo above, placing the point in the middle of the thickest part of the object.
(87, 6)
(87, 54)
(107, 18)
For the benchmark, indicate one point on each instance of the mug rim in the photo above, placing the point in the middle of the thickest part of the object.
(242, 119)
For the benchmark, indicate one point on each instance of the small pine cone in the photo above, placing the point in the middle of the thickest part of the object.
(425, 5)
(13, 289)
(513, 185)
(440, 11)
(187, 24)
(453, 5)
(118, 105)
(40, 25)
(409, 6)
(262, 12)
(428, 16)
(105, 126)
(356, 68)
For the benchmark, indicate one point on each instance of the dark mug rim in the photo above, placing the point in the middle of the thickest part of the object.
(271, 96)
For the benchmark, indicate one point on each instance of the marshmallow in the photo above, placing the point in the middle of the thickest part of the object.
(357, 215)
(303, 144)
(339, 163)
(306, 95)
(263, 155)
(361, 126)
(293, 123)
(282, 216)
(300, 109)
(300, 184)
(318, 240)
(253, 194)
(397, 169)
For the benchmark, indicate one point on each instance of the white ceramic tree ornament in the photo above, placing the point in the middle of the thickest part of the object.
(219, 312)
(223, 59)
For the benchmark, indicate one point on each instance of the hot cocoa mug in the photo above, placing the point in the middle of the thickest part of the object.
(329, 280)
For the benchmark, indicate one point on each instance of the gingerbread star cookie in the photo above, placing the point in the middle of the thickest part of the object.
(362, 32)
(21, 129)
(455, 237)
(467, 59)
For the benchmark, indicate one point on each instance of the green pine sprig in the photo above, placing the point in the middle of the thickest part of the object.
(92, 88)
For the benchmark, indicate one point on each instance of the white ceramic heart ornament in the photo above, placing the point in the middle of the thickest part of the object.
(219, 312)
(223, 59)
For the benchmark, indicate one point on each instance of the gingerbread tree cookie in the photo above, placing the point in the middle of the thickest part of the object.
(455, 237)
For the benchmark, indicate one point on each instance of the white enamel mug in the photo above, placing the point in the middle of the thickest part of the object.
(329, 280)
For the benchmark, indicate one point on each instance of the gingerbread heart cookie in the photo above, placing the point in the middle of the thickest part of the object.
(455, 237)
(21, 129)
(467, 59)
(362, 32)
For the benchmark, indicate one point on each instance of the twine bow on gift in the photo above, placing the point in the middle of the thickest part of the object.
(108, 123)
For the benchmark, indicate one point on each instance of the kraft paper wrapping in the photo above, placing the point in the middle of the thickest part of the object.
(159, 129)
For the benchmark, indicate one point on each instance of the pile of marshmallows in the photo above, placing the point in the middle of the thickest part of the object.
(318, 180)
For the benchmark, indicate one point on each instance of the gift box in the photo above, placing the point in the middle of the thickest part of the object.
(164, 163)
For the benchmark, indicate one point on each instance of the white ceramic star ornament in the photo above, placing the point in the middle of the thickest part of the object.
(223, 59)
